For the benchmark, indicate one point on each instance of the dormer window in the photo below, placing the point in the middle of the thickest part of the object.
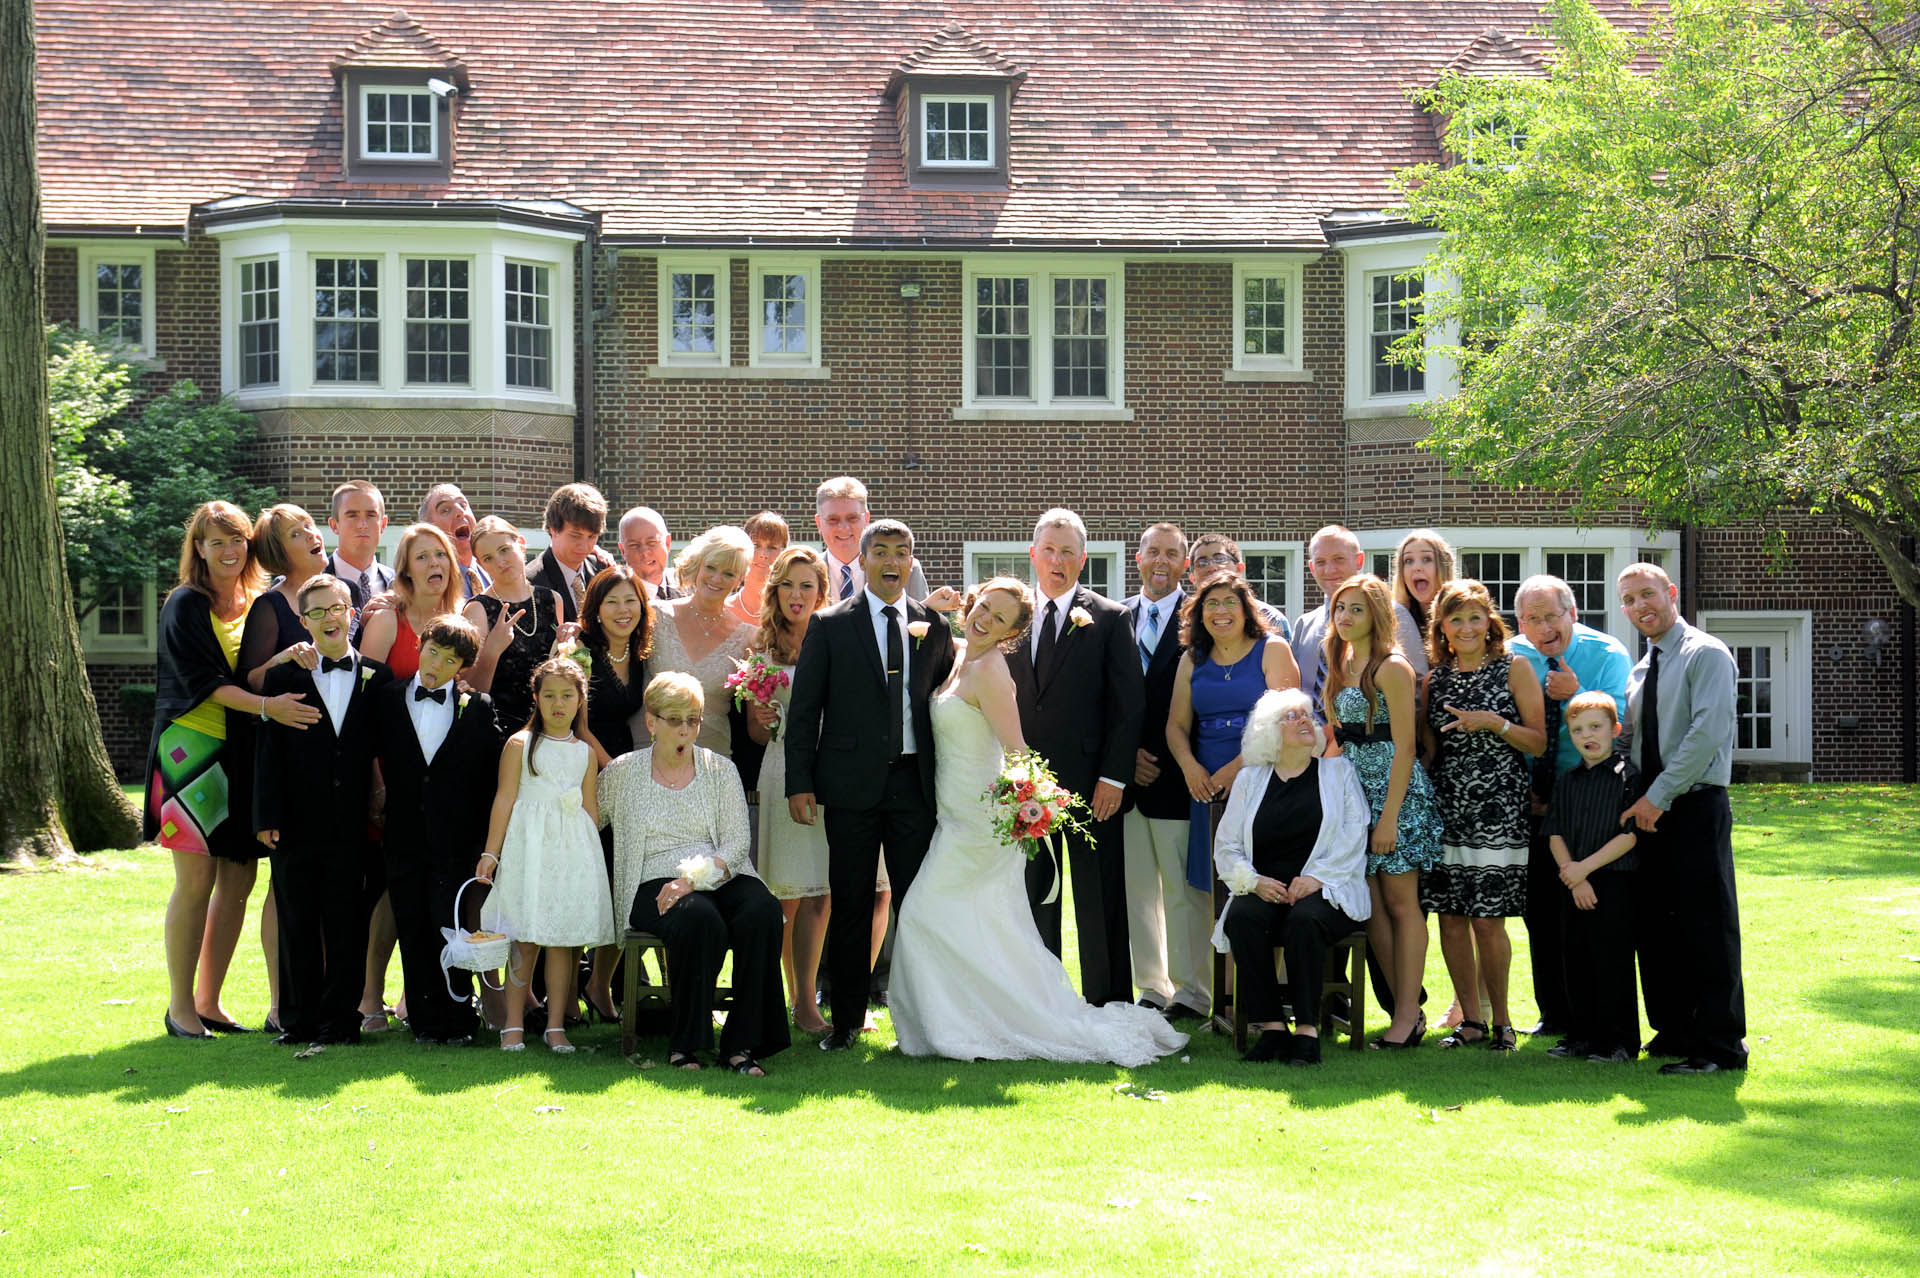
(957, 132)
(398, 123)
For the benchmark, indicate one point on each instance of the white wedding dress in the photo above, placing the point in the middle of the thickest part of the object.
(971, 977)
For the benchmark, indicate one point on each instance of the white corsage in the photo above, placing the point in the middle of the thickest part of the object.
(366, 673)
(461, 706)
(701, 871)
(1079, 617)
(918, 629)
(1241, 878)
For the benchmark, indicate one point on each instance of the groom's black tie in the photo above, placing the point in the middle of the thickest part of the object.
(896, 683)
(1043, 655)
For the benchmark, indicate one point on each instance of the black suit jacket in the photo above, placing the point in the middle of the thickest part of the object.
(1167, 798)
(437, 812)
(836, 735)
(313, 785)
(1083, 712)
(546, 571)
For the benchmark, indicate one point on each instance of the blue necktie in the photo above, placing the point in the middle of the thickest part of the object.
(1149, 635)
(846, 581)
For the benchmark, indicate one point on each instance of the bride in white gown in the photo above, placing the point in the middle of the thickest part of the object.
(971, 978)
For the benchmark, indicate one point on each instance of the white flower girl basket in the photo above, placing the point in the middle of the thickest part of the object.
(480, 952)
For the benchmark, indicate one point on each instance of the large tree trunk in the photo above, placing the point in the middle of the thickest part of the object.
(57, 789)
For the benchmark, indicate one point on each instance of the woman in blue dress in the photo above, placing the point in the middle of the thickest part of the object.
(1227, 664)
(1370, 694)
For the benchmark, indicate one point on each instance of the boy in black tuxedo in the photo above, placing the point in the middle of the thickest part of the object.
(438, 757)
(576, 516)
(310, 793)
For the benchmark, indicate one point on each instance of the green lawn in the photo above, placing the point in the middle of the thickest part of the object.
(124, 1151)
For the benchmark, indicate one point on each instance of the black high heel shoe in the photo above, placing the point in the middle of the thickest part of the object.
(219, 1026)
(1411, 1041)
(599, 1015)
(174, 1031)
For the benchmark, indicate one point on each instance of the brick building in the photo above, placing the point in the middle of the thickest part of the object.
(1127, 258)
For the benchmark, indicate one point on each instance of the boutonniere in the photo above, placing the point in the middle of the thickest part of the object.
(460, 706)
(1079, 617)
(366, 673)
(918, 629)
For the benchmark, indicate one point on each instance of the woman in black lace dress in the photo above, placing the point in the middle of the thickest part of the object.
(519, 625)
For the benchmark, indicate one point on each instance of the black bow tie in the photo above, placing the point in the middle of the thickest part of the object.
(328, 665)
(431, 694)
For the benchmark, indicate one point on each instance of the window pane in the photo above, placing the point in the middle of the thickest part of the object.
(1499, 572)
(1002, 350)
(956, 132)
(259, 323)
(346, 311)
(437, 330)
(1264, 319)
(529, 340)
(1586, 573)
(400, 124)
(1080, 346)
(783, 317)
(1395, 310)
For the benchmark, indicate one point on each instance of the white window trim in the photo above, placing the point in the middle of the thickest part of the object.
(1792, 685)
(297, 243)
(313, 321)
(993, 131)
(134, 254)
(550, 326)
(431, 156)
(121, 649)
(1042, 405)
(1619, 544)
(1291, 271)
(1296, 551)
(721, 268)
(809, 267)
(1398, 255)
(1113, 552)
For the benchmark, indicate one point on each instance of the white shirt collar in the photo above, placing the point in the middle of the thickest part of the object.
(875, 603)
(1061, 604)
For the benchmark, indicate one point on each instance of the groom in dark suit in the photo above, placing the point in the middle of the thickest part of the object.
(859, 744)
(1077, 678)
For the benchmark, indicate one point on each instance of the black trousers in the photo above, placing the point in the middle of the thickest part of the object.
(902, 823)
(1603, 1003)
(739, 915)
(1099, 872)
(423, 895)
(1687, 931)
(1306, 931)
(1546, 930)
(320, 894)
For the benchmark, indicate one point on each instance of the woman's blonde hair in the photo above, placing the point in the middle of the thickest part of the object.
(452, 594)
(722, 542)
(270, 536)
(776, 639)
(674, 690)
(491, 526)
(207, 518)
(1463, 592)
(1444, 562)
(1381, 644)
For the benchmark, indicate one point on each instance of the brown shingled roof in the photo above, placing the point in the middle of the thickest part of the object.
(955, 51)
(1492, 54)
(1189, 123)
(398, 42)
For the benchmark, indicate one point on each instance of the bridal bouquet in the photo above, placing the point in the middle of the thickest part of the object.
(1030, 806)
(757, 680)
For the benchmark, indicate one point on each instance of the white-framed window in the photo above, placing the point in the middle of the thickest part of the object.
(116, 294)
(439, 300)
(394, 313)
(1773, 682)
(957, 131)
(258, 293)
(1274, 574)
(1494, 135)
(397, 123)
(1267, 329)
(527, 304)
(1103, 572)
(694, 304)
(346, 319)
(784, 301)
(1386, 296)
(1502, 558)
(121, 623)
(1044, 339)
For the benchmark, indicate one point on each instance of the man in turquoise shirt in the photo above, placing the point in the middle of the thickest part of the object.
(1569, 658)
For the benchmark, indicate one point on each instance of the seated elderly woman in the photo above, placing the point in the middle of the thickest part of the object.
(1292, 849)
(680, 871)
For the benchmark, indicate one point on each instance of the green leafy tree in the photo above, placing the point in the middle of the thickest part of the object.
(128, 477)
(1688, 262)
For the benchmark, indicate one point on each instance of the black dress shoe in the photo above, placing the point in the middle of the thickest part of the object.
(1149, 1004)
(1270, 1046)
(1618, 1056)
(349, 1038)
(288, 1040)
(219, 1026)
(433, 1040)
(1662, 1045)
(174, 1031)
(838, 1040)
(1181, 1012)
(1692, 1065)
(1568, 1050)
(1305, 1051)
(1544, 1027)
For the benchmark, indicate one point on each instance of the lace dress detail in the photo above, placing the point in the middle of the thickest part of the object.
(1418, 847)
(716, 732)
(1481, 784)
(971, 978)
(550, 887)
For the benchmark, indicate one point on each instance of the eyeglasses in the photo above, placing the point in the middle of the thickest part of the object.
(1215, 561)
(1294, 716)
(675, 721)
(1228, 603)
(331, 610)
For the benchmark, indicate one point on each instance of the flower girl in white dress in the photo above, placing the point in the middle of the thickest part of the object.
(543, 851)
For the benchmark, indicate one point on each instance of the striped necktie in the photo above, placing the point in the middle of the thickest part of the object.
(846, 581)
(1148, 635)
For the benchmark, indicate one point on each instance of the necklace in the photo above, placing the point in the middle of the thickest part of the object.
(621, 655)
(550, 737)
(1229, 666)
(533, 612)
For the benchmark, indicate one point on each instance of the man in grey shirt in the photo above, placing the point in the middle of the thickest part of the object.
(1680, 699)
(1333, 556)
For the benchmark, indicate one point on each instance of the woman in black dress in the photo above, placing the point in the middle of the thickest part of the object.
(520, 625)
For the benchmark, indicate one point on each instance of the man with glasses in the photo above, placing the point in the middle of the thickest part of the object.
(1569, 659)
(1213, 552)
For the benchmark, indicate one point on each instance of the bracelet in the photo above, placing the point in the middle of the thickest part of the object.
(1505, 724)
(263, 709)
(491, 856)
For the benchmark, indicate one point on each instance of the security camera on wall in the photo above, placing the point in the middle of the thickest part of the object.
(441, 89)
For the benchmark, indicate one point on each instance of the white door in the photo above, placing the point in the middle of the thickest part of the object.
(1772, 691)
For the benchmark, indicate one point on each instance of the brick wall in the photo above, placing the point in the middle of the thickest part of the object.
(126, 736)
(63, 285)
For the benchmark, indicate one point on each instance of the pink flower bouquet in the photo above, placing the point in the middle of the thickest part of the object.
(757, 680)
